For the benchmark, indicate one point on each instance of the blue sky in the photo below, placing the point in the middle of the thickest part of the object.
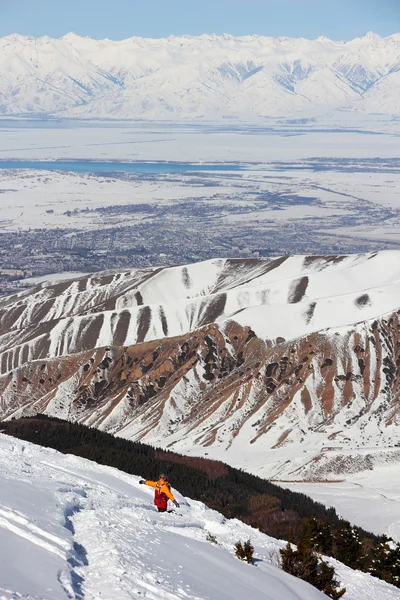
(118, 19)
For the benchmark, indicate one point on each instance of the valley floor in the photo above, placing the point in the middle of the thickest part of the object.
(324, 188)
(370, 500)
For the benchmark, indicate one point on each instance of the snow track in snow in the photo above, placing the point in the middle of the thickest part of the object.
(20, 525)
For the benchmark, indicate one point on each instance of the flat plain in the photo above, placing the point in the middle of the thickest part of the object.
(320, 187)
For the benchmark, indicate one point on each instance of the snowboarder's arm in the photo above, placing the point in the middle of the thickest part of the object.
(150, 483)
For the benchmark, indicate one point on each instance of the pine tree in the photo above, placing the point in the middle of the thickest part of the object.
(325, 540)
(302, 563)
(348, 548)
(307, 565)
(385, 561)
(328, 583)
(311, 532)
(244, 551)
(319, 535)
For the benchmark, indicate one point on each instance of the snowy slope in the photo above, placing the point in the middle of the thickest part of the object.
(73, 529)
(194, 77)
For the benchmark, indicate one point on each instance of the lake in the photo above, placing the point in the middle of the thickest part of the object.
(88, 166)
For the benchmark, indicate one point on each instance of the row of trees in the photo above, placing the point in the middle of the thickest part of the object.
(380, 558)
(305, 563)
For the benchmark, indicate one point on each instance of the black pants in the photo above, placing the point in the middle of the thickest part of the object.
(162, 509)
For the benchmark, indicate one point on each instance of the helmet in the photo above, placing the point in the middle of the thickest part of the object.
(162, 476)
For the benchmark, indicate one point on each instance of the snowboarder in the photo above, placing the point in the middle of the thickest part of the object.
(162, 492)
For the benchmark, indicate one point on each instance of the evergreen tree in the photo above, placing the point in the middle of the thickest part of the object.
(244, 551)
(328, 583)
(347, 545)
(307, 565)
(302, 563)
(311, 532)
(385, 561)
(319, 535)
(325, 540)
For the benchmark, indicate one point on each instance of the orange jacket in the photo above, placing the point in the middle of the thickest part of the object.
(163, 487)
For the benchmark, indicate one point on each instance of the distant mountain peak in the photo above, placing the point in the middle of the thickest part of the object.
(184, 76)
(72, 36)
(372, 36)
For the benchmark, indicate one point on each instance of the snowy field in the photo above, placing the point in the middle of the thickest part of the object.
(282, 182)
(370, 499)
(33, 199)
(338, 135)
(264, 196)
(71, 529)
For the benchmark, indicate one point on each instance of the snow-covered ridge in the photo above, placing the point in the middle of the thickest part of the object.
(286, 297)
(74, 529)
(194, 77)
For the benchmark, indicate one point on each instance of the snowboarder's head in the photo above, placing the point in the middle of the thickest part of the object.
(163, 477)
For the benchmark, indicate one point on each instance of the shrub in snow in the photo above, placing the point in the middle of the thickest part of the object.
(244, 551)
(211, 538)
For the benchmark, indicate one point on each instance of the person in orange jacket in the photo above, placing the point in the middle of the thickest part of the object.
(162, 492)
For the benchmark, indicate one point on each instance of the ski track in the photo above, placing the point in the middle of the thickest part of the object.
(392, 529)
(22, 527)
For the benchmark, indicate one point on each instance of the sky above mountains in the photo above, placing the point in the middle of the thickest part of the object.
(342, 19)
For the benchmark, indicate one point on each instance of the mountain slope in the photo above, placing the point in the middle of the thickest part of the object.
(285, 297)
(228, 357)
(82, 530)
(194, 77)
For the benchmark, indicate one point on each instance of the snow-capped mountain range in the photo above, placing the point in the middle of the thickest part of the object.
(228, 357)
(209, 76)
